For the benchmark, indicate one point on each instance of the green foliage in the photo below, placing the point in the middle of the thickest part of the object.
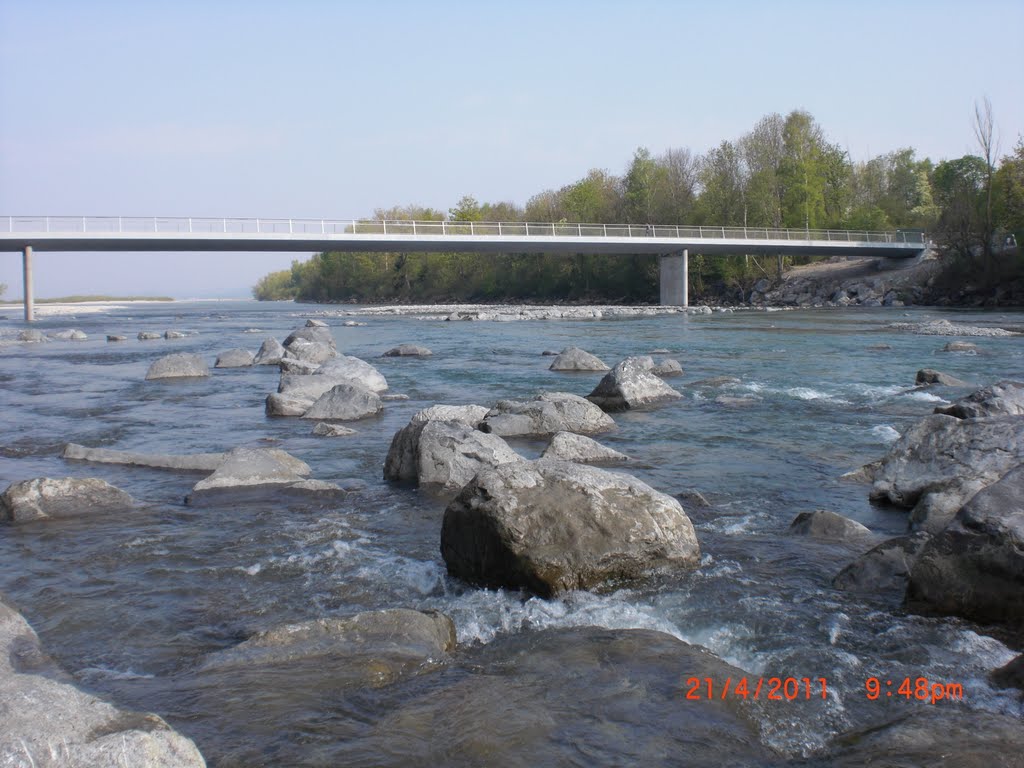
(783, 172)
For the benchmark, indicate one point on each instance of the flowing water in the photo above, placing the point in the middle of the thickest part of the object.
(132, 603)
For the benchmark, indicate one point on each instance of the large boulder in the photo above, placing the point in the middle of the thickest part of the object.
(287, 405)
(271, 352)
(47, 721)
(470, 415)
(300, 391)
(552, 526)
(346, 368)
(314, 352)
(182, 365)
(568, 446)
(975, 567)
(667, 367)
(1003, 399)
(445, 454)
(234, 358)
(630, 384)
(942, 461)
(576, 359)
(546, 414)
(188, 462)
(345, 402)
(317, 334)
(259, 468)
(54, 497)
(376, 647)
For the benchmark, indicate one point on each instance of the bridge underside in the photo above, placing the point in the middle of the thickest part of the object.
(673, 252)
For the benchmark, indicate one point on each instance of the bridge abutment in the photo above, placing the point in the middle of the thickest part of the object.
(674, 279)
(26, 275)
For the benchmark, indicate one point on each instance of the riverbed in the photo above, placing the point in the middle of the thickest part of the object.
(131, 604)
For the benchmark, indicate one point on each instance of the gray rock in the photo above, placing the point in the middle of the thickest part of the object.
(315, 334)
(148, 336)
(408, 350)
(445, 454)
(667, 367)
(182, 365)
(549, 353)
(115, 337)
(70, 335)
(259, 468)
(824, 524)
(546, 414)
(740, 401)
(174, 335)
(287, 405)
(929, 376)
(715, 381)
(393, 397)
(234, 358)
(345, 402)
(32, 336)
(630, 385)
(470, 415)
(294, 365)
(398, 639)
(1011, 675)
(56, 497)
(693, 498)
(348, 369)
(551, 526)
(576, 359)
(323, 429)
(880, 347)
(572, 447)
(1003, 399)
(941, 461)
(191, 462)
(975, 567)
(271, 353)
(47, 721)
(311, 323)
(311, 351)
(960, 346)
(884, 570)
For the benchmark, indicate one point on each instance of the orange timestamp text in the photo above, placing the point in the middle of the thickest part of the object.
(918, 688)
(766, 688)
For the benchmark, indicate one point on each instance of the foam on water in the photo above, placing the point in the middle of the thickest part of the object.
(885, 433)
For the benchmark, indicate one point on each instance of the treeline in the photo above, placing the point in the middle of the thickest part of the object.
(782, 173)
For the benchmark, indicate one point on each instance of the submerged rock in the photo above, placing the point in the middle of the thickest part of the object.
(941, 461)
(571, 696)
(32, 336)
(824, 524)
(70, 335)
(408, 350)
(446, 454)
(552, 526)
(149, 336)
(667, 367)
(377, 646)
(234, 358)
(630, 385)
(580, 449)
(960, 346)
(178, 366)
(190, 462)
(546, 414)
(56, 497)
(116, 337)
(174, 335)
(248, 468)
(929, 376)
(324, 429)
(975, 567)
(1003, 399)
(576, 359)
(47, 721)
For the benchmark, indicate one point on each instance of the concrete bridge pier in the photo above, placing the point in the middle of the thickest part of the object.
(675, 279)
(29, 294)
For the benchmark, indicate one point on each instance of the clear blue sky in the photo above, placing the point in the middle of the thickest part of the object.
(304, 108)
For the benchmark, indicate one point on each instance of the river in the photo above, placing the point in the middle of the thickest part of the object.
(131, 604)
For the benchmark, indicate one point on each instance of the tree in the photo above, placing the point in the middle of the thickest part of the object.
(467, 209)
(803, 180)
(1008, 203)
(959, 185)
(984, 132)
(638, 188)
(722, 178)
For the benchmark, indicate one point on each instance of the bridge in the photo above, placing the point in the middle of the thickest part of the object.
(671, 243)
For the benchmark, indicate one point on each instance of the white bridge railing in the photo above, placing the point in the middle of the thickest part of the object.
(131, 225)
